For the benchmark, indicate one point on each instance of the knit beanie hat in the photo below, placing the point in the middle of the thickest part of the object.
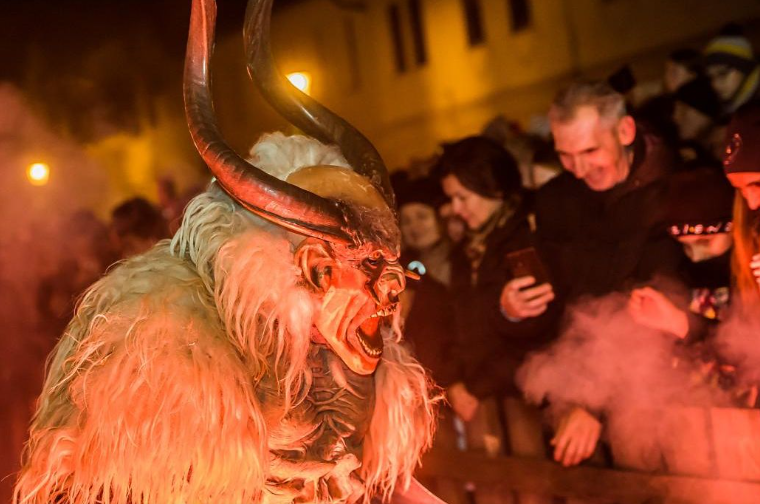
(742, 152)
(699, 202)
(699, 94)
(689, 58)
(622, 80)
(733, 50)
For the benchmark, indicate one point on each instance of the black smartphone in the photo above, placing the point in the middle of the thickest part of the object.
(526, 262)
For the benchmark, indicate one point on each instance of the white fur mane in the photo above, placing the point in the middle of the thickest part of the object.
(151, 393)
(281, 155)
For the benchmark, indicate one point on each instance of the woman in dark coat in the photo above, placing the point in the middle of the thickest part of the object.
(483, 182)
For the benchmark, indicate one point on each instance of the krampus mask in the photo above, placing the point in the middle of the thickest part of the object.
(350, 252)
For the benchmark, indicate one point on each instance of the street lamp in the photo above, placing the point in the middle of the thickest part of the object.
(38, 174)
(301, 80)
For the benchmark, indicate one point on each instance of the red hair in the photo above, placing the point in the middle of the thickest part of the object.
(745, 247)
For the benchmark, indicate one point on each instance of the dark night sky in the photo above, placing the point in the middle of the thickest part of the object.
(67, 27)
(63, 31)
(75, 59)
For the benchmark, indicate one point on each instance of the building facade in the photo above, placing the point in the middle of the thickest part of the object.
(414, 73)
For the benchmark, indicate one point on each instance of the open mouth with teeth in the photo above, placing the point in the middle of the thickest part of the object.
(359, 343)
(369, 332)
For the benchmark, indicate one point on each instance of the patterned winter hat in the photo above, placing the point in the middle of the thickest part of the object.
(699, 202)
(734, 51)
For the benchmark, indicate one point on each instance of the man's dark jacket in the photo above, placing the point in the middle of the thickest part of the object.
(598, 242)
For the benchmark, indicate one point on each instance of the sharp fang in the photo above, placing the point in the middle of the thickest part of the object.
(385, 312)
(370, 351)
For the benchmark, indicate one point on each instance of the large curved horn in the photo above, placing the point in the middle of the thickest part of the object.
(277, 201)
(301, 110)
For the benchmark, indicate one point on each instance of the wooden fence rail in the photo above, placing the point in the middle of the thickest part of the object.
(624, 487)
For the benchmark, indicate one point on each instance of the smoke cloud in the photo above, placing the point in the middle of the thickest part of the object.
(662, 408)
(605, 361)
(31, 241)
(738, 342)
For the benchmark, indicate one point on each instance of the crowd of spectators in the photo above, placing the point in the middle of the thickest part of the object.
(90, 246)
(510, 231)
(630, 194)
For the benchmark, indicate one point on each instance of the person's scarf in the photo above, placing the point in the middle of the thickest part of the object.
(477, 239)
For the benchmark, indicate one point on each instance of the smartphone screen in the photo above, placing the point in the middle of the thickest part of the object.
(526, 262)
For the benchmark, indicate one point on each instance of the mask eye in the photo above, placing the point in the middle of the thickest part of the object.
(374, 259)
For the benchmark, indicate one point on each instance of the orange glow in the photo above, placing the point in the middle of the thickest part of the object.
(301, 80)
(38, 174)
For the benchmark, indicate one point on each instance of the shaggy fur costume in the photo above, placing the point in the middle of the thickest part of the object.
(187, 370)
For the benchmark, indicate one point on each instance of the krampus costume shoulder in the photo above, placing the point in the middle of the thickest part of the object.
(204, 370)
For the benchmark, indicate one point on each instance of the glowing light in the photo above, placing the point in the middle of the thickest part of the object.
(38, 174)
(301, 80)
(418, 267)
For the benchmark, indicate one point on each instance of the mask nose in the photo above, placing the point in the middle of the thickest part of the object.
(389, 284)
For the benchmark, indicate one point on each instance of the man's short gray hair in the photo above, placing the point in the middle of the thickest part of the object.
(609, 103)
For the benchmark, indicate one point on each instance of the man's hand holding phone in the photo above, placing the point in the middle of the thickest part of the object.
(529, 292)
(521, 298)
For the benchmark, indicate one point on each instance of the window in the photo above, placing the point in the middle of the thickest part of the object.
(397, 37)
(418, 35)
(353, 54)
(472, 15)
(520, 11)
(416, 28)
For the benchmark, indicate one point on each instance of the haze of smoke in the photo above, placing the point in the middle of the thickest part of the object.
(605, 361)
(30, 248)
(738, 342)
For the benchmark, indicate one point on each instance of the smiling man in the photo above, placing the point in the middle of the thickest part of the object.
(600, 223)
